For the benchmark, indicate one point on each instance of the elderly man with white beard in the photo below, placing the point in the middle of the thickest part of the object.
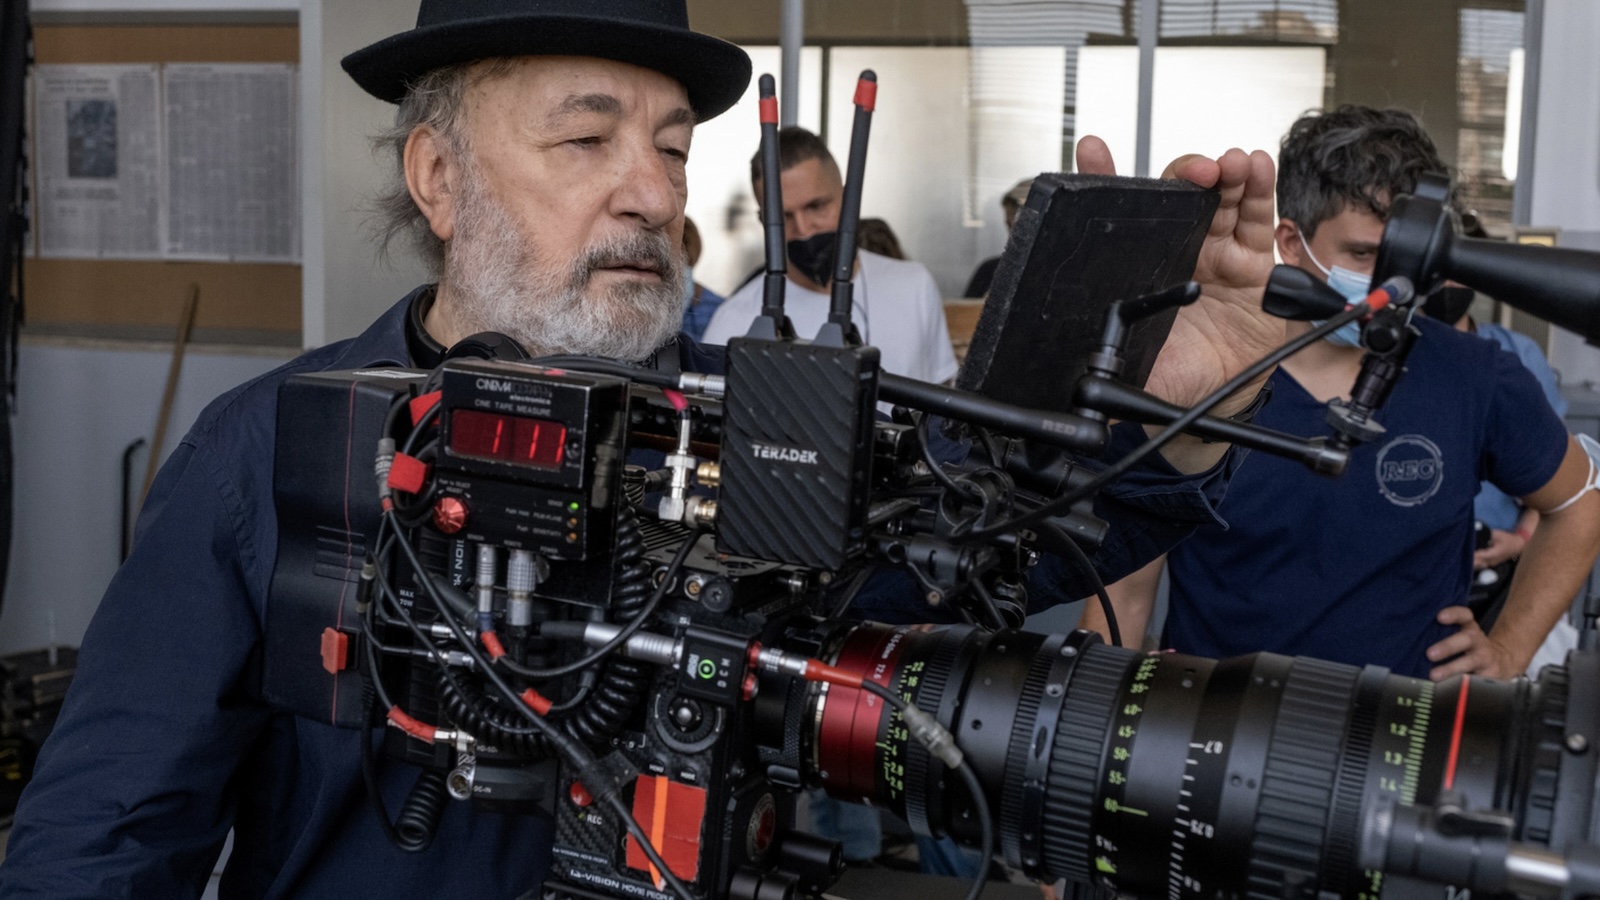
(540, 150)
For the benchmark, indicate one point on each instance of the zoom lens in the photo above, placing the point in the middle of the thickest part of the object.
(1177, 776)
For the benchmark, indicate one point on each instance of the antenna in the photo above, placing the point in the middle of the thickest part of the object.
(839, 331)
(772, 324)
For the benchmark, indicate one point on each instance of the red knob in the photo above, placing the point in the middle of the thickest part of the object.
(449, 515)
(578, 795)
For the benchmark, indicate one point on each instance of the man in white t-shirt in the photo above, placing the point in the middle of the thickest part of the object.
(896, 307)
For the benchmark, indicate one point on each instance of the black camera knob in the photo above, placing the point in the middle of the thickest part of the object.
(687, 715)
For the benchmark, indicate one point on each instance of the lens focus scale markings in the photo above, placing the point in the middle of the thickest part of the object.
(1181, 778)
(1394, 763)
(1073, 847)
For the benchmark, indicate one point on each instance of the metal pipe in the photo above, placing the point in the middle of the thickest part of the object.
(791, 37)
(1527, 142)
(1149, 36)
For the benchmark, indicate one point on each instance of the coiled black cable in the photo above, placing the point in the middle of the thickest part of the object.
(466, 705)
(419, 817)
(620, 688)
(623, 682)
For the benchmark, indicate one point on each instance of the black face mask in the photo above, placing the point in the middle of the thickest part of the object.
(1448, 304)
(813, 256)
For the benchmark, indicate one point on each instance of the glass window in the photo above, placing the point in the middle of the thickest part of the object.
(976, 94)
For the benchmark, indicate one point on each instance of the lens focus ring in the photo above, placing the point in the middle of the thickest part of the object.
(1076, 759)
(1298, 782)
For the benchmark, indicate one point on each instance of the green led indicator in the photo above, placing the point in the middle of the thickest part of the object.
(708, 669)
(573, 506)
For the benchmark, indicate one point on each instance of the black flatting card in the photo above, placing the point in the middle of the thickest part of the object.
(1080, 243)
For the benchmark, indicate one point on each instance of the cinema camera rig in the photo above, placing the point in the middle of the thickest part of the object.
(520, 567)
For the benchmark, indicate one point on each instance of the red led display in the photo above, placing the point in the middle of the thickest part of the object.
(509, 439)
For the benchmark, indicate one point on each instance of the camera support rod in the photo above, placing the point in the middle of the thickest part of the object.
(1100, 394)
(1123, 401)
(1057, 429)
(1450, 845)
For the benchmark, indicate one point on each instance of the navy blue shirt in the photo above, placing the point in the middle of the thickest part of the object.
(1353, 569)
(164, 743)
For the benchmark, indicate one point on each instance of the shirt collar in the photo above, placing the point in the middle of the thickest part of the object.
(426, 353)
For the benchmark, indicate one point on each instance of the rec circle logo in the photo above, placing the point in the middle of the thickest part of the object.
(1410, 470)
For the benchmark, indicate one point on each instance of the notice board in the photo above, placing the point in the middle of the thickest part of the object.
(144, 299)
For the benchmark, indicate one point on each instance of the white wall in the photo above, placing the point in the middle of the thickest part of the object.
(346, 285)
(954, 129)
(161, 6)
(1206, 99)
(77, 408)
(1566, 167)
(720, 202)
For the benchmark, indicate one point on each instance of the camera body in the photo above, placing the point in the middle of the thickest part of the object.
(506, 489)
(529, 461)
(470, 557)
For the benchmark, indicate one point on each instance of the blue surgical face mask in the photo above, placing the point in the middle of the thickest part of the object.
(1353, 286)
(688, 285)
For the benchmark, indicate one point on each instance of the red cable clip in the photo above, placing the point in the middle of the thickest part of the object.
(421, 405)
(408, 474)
(419, 730)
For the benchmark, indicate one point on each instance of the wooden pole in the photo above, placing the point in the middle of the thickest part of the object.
(185, 326)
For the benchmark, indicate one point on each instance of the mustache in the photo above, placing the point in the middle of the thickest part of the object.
(641, 250)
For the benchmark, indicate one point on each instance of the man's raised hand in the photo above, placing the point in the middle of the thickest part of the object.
(1226, 330)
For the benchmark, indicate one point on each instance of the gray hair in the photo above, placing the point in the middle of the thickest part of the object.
(436, 101)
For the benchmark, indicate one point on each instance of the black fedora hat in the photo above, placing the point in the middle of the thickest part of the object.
(650, 33)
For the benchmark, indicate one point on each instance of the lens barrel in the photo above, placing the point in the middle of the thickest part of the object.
(1177, 776)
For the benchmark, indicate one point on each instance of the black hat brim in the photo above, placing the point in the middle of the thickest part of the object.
(714, 72)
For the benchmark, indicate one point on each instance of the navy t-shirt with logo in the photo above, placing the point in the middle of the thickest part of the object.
(1354, 568)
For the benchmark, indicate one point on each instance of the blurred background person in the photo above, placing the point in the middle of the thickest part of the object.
(701, 302)
(1010, 204)
(875, 236)
(1373, 567)
(1505, 524)
(896, 306)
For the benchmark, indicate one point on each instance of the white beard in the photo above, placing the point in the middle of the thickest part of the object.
(497, 284)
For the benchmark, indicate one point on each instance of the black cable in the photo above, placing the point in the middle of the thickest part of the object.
(1165, 436)
(985, 827)
(412, 831)
(969, 777)
(1061, 539)
(934, 468)
(920, 426)
(577, 699)
(990, 447)
(369, 777)
(418, 820)
(574, 752)
(460, 702)
(628, 630)
(997, 622)
(851, 589)
(369, 772)
(613, 692)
